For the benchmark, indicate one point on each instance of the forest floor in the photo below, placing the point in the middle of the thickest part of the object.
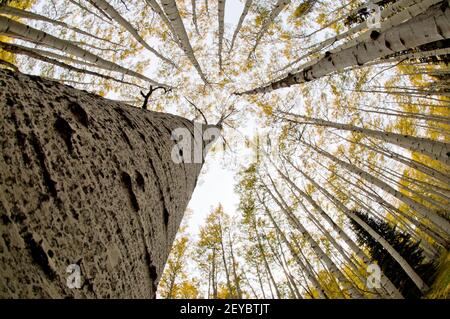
(441, 287)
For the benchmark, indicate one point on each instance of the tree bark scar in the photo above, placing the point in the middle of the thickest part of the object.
(38, 255)
(127, 183)
(79, 113)
(126, 139)
(124, 116)
(49, 183)
(158, 185)
(62, 127)
(152, 271)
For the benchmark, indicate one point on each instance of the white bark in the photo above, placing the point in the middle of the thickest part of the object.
(159, 11)
(17, 49)
(247, 5)
(171, 10)
(221, 15)
(105, 6)
(396, 7)
(434, 149)
(437, 220)
(16, 29)
(430, 26)
(387, 284)
(34, 16)
(311, 277)
(314, 245)
(279, 6)
(194, 15)
(401, 261)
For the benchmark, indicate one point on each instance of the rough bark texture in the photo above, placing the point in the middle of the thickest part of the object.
(87, 181)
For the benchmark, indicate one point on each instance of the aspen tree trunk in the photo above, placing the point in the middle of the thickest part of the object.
(390, 288)
(235, 275)
(431, 172)
(291, 278)
(171, 10)
(325, 216)
(109, 9)
(436, 150)
(395, 7)
(311, 277)
(279, 6)
(221, 16)
(85, 181)
(336, 272)
(34, 16)
(214, 281)
(194, 16)
(33, 53)
(244, 13)
(266, 263)
(430, 26)
(261, 286)
(439, 221)
(159, 11)
(400, 260)
(224, 260)
(18, 30)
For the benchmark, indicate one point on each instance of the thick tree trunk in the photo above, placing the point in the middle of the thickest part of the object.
(85, 181)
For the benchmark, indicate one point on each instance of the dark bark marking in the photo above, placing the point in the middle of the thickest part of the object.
(79, 113)
(124, 116)
(142, 136)
(39, 256)
(21, 138)
(140, 180)
(9, 101)
(375, 35)
(161, 194)
(152, 270)
(127, 140)
(5, 219)
(126, 181)
(166, 216)
(387, 44)
(48, 182)
(63, 128)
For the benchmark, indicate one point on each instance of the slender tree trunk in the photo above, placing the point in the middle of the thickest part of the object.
(85, 181)
(194, 16)
(311, 277)
(336, 272)
(221, 16)
(244, 13)
(171, 10)
(266, 263)
(436, 150)
(224, 260)
(214, 281)
(430, 26)
(439, 221)
(279, 6)
(113, 13)
(235, 275)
